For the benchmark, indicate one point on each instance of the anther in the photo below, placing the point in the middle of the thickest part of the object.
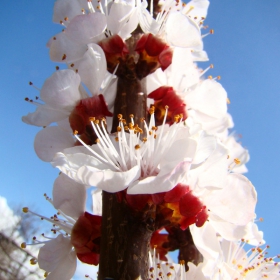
(137, 147)
(72, 65)
(75, 132)
(190, 9)
(56, 67)
(237, 161)
(23, 245)
(25, 209)
(33, 261)
(131, 116)
(63, 57)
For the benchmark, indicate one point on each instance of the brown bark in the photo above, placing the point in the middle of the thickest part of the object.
(126, 233)
(125, 240)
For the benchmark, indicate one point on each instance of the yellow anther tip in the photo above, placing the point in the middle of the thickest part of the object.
(25, 209)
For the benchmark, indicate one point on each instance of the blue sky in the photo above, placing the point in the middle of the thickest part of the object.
(244, 50)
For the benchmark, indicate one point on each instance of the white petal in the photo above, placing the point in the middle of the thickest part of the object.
(66, 268)
(155, 80)
(54, 252)
(92, 68)
(97, 202)
(234, 203)
(214, 99)
(199, 10)
(63, 49)
(61, 90)
(69, 196)
(206, 146)
(182, 73)
(213, 172)
(72, 159)
(110, 94)
(65, 125)
(165, 181)
(147, 22)
(86, 29)
(108, 180)
(119, 14)
(206, 241)
(50, 141)
(180, 150)
(129, 26)
(45, 115)
(178, 24)
(65, 8)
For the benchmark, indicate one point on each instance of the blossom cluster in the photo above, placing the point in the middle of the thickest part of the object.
(177, 153)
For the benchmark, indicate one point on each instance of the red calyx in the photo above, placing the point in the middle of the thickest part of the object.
(85, 237)
(193, 211)
(153, 53)
(79, 118)
(159, 242)
(115, 51)
(166, 96)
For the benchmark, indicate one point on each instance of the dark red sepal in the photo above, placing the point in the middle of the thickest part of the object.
(158, 198)
(115, 51)
(201, 217)
(151, 44)
(89, 258)
(186, 222)
(137, 201)
(85, 237)
(192, 210)
(89, 107)
(153, 53)
(190, 205)
(159, 242)
(166, 96)
(176, 193)
(165, 58)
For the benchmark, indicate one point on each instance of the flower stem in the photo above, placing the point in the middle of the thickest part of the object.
(125, 240)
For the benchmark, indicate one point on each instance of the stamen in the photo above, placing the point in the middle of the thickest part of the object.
(211, 31)
(189, 10)
(88, 147)
(90, 6)
(31, 84)
(208, 68)
(215, 78)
